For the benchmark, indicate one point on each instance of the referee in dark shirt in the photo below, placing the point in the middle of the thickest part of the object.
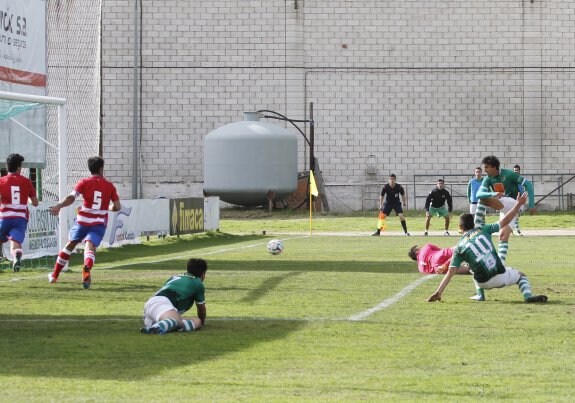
(392, 197)
(435, 205)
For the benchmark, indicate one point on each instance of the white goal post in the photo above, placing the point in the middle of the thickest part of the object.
(61, 148)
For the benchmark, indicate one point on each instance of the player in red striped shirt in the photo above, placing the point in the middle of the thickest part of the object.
(91, 220)
(15, 190)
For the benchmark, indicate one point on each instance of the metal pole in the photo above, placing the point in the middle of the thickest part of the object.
(63, 172)
(136, 134)
(311, 138)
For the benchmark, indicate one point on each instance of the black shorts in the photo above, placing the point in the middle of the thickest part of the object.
(388, 207)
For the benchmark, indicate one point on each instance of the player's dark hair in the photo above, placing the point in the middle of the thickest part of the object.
(95, 164)
(393, 176)
(440, 180)
(492, 161)
(479, 168)
(466, 221)
(13, 162)
(413, 252)
(197, 267)
(518, 167)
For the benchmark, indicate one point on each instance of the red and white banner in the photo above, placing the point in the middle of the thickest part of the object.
(23, 42)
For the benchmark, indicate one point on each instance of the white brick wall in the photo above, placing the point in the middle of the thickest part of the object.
(427, 87)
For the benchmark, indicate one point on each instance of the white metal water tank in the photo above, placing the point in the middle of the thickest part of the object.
(247, 162)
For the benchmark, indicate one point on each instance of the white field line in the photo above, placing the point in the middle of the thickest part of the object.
(390, 301)
(15, 279)
(210, 319)
(215, 252)
(354, 318)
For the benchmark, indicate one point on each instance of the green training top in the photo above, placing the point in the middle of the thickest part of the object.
(507, 182)
(477, 249)
(183, 290)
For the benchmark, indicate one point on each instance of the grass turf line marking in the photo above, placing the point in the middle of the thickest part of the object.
(203, 254)
(16, 279)
(211, 319)
(12, 280)
(390, 301)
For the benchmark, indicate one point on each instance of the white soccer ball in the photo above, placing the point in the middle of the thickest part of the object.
(275, 246)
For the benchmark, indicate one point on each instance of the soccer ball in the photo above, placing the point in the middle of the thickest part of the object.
(275, 246)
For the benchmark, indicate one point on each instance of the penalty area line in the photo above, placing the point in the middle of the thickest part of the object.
(215, 252)
(215, 319)
(390, 301)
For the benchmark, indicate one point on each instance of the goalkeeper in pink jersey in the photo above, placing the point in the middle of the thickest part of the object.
(99, 196)
(431, 259)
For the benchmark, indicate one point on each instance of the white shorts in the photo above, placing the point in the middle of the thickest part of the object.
(156, 307)
(510, 277)
(508, 204)
(473, 208)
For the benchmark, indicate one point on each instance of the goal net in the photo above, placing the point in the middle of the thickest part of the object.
(23, 129)
(33, 126)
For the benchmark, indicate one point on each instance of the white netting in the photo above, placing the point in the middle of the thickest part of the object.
(23, 130)
(73, 59)
(74, 74)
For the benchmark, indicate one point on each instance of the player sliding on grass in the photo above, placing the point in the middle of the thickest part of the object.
(477, 249)
(91, 220)
(15, 190)
(431, 259)
(162, 311)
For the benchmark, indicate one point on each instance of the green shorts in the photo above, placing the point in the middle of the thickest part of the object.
(439, 212)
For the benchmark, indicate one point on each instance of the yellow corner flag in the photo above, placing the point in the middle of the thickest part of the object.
(312, 185)
(312, 192)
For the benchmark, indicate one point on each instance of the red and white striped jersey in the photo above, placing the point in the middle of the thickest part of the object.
(15, 190)
(97, 193)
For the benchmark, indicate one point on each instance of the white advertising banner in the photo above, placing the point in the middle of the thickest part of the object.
(138, 218)
(23, 42)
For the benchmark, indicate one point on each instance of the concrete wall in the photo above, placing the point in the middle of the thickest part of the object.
(426, 87)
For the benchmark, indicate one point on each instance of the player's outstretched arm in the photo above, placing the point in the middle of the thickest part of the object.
(55, 210)
(436, 296)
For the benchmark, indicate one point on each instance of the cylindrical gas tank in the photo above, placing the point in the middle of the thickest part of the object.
(249, 162)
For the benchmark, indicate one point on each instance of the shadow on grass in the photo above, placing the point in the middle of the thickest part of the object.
(102, 347)
(167, 246)
(383, 266)
(267, 286)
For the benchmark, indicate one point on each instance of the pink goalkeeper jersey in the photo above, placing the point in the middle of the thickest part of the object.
(431, 256)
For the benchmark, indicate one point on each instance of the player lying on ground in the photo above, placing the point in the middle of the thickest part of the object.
(162, 312)
(476, 248)
(431, 259)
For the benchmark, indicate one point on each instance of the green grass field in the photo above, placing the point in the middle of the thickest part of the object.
(341, 318)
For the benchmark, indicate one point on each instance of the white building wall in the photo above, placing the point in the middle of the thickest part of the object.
(427, 87)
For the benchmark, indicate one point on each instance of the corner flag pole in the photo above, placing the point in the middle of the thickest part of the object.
(312, 192)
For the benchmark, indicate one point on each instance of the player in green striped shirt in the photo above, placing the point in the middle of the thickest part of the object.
(476, 248)
(162, 312)
(499, 190)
